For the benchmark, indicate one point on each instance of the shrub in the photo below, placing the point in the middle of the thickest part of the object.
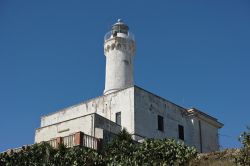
(164, 152)
(244, 156)
(44, 155)
(122, 150)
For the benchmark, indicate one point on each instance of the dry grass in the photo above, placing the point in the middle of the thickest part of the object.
(220, 158)
(212, 163)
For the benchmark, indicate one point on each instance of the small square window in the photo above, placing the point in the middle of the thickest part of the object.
(160, 123)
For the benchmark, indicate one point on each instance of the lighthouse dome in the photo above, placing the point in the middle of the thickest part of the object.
(119, 29)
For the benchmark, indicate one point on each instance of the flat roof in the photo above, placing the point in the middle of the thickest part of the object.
(187, 110)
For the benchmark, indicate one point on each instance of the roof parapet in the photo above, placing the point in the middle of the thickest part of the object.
(201, 115)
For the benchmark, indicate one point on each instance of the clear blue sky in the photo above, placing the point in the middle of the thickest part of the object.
(194, 53)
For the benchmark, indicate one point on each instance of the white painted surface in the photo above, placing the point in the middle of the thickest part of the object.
(119, 52)
(210, 140)
(106, 106)
(148, 107)
(91, 124)
(139, 110)
(84, 124)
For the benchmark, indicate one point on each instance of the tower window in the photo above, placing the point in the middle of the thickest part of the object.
(160, 123)
(181, 132)
(118, 118)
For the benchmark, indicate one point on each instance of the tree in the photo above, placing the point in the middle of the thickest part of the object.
(124, 151)
(121, 150)
(244, 155)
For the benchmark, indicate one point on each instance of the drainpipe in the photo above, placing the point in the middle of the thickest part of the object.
(200, 136)
(92, 125)
(110, 116)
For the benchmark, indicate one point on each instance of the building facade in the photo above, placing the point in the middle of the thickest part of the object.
(124, 105)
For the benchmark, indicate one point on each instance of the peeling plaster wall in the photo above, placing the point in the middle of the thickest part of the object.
(148, 106)
(107, 125)
(92, 124)
(106, 106)
(84, 124)
(195, 138)
(119, 54)
(139, 110)
(209, 137)
(121, 101)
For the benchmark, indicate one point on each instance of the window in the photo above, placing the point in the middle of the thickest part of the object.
(160, 123)
(181, 132)
(118, 118)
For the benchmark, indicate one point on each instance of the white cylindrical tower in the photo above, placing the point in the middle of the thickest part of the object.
(119, 49)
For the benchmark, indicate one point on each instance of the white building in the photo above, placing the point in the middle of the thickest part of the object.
(124, 105)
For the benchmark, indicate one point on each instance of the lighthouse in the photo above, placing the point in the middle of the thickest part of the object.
(125, 105)
(119, 49)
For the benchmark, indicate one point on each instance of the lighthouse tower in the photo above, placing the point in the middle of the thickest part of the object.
(119, 49)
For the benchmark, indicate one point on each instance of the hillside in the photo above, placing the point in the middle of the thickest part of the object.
(220, 158)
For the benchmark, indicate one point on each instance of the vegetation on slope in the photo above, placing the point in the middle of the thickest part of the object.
(244, 157)
(227, 157)
(122, 150)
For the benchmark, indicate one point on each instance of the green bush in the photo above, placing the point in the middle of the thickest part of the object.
(44, 155)
(244, 156)
(122, 150)
(164, 152)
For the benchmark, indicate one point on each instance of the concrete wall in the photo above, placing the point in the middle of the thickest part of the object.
(121, 101)
(92, 124)
(106, 106)
(148, 106)
(210, 141)
(105, 124)
(75, 111)
(204, 135)
(139, 110)
(61, 129)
